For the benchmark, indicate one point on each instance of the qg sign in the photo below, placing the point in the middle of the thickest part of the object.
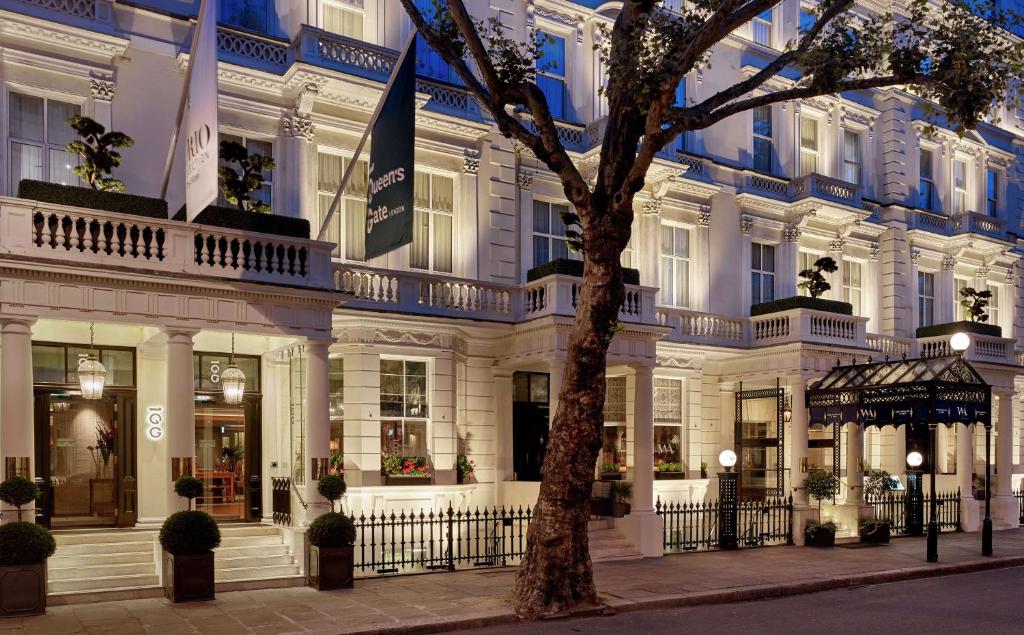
(155, 423)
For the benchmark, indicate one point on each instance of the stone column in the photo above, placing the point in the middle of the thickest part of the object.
(798, 459)
(970, 516)
(181, 413)
(700, 277)
(854, 465)
(468, 264)
(102, 91)
(945, 300)
(1005, 509)
(836, 248)
(788, 262)
(17, 423)
(643, 526)
(503, 409)
(746, 243)
(318, 424)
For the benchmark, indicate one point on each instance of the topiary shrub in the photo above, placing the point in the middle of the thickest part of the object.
(191, 532)
(18, 491)
(332, 487)
(25, 543)
(188, 487)
(332, 530)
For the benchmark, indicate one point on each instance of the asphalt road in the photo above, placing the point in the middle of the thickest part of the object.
(990, 603)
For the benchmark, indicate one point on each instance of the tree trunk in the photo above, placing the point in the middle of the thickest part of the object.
(555, 574)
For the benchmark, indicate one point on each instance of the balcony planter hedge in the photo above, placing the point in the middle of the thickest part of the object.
(802, 302)
(92, 199)
(963, 326)
(234, 218)
(574, 268)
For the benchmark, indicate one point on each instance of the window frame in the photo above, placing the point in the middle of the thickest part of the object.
(859, 163)
(808, 152)
(248, 136)
(926, 196)
(766, 139)
(762, 274)
(340, 250)
(995, 303)
(6, 162)
(349, 7)
(849, 289)
(680, 425)
(551, 237)
(961, 194)
(563, 112)
(676, 260)
(432, 212)
(761, 28)
(992, 181)
(925, 300)
(404, 418)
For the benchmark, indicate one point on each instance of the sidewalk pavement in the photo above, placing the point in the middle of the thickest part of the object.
(470, 599)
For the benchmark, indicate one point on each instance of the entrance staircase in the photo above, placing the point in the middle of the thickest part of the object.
(107, 564)
(608, 544)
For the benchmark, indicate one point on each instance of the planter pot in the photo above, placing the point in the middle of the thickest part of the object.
(820, 538)
(611, 476)
(392, 479)
(620, 509)
(877, 533)
(234, 218)
(802, 302)
(188, 578)
(574, 268)
(669, 476)
(22, 589)
(963, 326)
(703, 472)
(86, 197)
(465, 479)
(331, 568)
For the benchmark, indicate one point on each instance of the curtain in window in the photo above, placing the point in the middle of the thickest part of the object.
(342, 20)
(429, 62)
(442, 242)
(26, 117)
(551, 76)
(808, 145)
(419, 250)
(851, 157)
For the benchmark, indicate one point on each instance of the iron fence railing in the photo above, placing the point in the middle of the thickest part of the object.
(892, 506)
(1019, 495)
(281, 500)
(409, 542)
(693, 526)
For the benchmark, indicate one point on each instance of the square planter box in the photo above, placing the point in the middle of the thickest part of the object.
(22, 589)
(391, 479)
(188, 578)
(877, 534)
(669, 476)
(963, 326)
(801, 302)
(620, 509)
(820, 538)
(331, 568)
(611, 476)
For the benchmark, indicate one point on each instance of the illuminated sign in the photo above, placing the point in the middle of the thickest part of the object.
(155, 422)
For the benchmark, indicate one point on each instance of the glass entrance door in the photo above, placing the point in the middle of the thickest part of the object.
(221, 459)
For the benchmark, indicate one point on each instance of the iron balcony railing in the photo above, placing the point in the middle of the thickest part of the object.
(693, 526)
(892, 506)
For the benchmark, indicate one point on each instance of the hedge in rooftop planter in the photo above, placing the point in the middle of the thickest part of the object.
(331, 539)
(188, 539)
(815, 283)
(98, 149)
(237, 185)
(821, 485)
(74, 196)
(24, 548)
(571, 267)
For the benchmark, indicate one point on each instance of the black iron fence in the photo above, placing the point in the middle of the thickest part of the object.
(408, 542)
(693, 526)
(1019, 495)
(892, 506)
(281, 500)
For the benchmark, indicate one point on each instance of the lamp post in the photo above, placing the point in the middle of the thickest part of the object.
(986, 525)
(727, 486)
(933, 526)
(915, 495)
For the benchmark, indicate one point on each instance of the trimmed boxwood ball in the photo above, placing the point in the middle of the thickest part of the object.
(188, 487)
(332, 530)
(18, 491)
(25, 543)
(191, 532)
(332, 487)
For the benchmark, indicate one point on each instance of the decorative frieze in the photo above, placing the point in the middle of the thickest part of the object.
(298, 125)
(652, 207)
(704, 216)
(746, 225)
(948, 263)
(102, 88)
(525, 179)
(471, 162)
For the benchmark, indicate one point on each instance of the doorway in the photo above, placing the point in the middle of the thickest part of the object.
(530, 424)
(759, 439)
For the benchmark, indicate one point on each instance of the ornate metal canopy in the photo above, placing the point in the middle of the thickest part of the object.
(944, 390)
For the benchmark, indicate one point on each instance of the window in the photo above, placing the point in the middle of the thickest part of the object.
(991, 192)
(675, 265)
(851, 157)
(960, 201)
(808, 145)
(613, 448)
(668, 425)
(336, 394)
(344, 19)
(763, 153)
(38, 134)
(926, 189)
(853, 290)
(429, 62)
(994, 305)
(403, 408)
(549, 233)
(347, 228)
(805, 261)
(434, 201)
(807, 19)
(626, 258)
(254, 146)
(248, 14)
(959, 284)
(761, 28)
(684, 138)
(551, 73)
(925, 298)
(762, 273)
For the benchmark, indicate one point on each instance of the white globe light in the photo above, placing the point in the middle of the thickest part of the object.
(914, 459)
(727, 458)
(959, 342)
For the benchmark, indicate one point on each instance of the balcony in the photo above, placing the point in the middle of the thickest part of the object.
(808, 326)
(983, 348)
(695, 327)
(927, 221)
(73, 236)
(88, 13)
(976, 223)
(826, 188)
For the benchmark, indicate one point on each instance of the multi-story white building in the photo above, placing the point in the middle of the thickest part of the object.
(449, 346)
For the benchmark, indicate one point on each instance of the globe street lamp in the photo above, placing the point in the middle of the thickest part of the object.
(727, 491)
(960, 342)
(915, 496)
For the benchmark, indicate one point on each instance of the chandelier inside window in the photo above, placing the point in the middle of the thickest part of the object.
(232, 380)
(91, 374)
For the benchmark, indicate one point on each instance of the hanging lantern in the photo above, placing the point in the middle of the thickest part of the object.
(91, 373)
(232, 380)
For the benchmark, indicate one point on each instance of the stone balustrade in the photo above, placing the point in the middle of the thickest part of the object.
(73, 236)
(809, 326)
(983, 348)
(825, 187)
(695, 327)
(975, 223)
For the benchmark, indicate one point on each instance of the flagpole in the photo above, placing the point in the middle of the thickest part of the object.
(366, 133)
(184, 98)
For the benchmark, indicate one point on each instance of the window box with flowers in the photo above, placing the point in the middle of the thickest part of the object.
(405, 470)
(669, 471)
(466, 469)
(404, 410)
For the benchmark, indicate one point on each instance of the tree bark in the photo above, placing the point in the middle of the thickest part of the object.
(556, 574)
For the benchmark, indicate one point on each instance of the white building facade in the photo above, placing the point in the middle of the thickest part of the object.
(450, 347)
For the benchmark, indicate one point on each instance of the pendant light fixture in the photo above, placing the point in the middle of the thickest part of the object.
(91, 373)
(233, 379)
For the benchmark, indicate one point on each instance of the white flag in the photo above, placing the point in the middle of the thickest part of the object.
(201, 122)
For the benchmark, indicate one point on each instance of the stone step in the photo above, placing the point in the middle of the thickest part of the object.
(612, 555)
(60, 560)
(102, 537)
(103, 583)
(252, 551)
(55, 571)
(227, 562)
(235, 531)
(92, 549)
(250, 541)
(255, 573)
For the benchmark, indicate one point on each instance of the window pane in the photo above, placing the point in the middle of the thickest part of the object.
(541, 252)
(682, 283)
(539, 387)
(755, 255)
(342, 21)
(808, 133)
(442, 242)
(763, 121)
(667, 288)
(768, 258)
(329, 170)
(557, 224)
(419, 250)
(48, 364)
(61, 165)
(443, 193)
(554, 91)
(421, 190)
(667, 246)
(120, 367)
(26, 163)
(541, 217)
(762, 155)
(552, 54)
(926, 164)
(682, 242)
(560, 249)
(58, 132)
(26, 117)
(357, 183)
(355, 228)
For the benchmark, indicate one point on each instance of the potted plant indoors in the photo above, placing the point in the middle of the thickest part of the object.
(821, 485)
(876, 530)
(405, 470)
(621, 492)
(669, 471)
(466, 469)
(815, 284)
(188, 539)
(975, 305)
(331, 539)
(24, 548)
